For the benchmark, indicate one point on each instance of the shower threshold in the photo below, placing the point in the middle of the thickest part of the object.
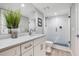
(61, 47)
(65, 45)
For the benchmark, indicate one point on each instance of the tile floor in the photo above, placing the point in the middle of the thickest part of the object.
(58, 52)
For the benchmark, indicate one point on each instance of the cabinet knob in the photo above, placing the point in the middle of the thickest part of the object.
(41, 46)
(78, 35)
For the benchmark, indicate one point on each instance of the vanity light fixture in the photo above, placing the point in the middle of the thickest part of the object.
(22, 5)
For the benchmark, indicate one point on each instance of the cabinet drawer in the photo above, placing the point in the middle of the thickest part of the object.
(39, 40)
(44, 38)
(26, 46)
(15, 51)
(28, 53)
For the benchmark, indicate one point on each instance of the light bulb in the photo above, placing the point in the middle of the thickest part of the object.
(22, 5)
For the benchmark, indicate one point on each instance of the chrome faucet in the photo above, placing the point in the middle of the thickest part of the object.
(30, 32)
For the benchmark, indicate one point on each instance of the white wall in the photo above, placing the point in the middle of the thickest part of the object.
(75, 29)
(34, 22)
(62, 35)
(39, 29)
(29, 11)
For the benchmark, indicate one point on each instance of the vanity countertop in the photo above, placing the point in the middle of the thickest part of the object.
(5, 43)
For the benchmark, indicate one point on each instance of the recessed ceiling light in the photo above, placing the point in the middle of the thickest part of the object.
(22, 5)
(55, 13)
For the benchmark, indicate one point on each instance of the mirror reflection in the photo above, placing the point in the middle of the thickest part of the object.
(23, 25)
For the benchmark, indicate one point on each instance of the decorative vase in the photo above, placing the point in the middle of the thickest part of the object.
(14, 33)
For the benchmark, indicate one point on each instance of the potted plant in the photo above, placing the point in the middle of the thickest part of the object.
(12, 21)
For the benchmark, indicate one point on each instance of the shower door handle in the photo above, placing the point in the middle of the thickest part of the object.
(78, 35)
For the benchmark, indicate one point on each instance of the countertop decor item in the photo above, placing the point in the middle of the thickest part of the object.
(12, 21)
(40, 22)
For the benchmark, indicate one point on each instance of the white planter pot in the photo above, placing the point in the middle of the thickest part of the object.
(9, 31)
(14, 33)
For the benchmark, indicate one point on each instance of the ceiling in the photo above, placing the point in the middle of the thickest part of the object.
(49, 9)
(52, 9)
(27, 10)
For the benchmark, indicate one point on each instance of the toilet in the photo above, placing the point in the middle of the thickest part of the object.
(49, 46)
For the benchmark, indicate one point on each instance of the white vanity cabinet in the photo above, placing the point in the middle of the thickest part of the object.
(34, 47)
(27, 49)
(15, 51)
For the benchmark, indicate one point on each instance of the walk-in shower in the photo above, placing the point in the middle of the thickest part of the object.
(58, 30)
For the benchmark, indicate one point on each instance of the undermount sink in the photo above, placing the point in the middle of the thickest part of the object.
(34, 34)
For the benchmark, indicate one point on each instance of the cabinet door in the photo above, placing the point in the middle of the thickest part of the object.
(37, 50)
(15, 51)
(28, 53)
(43, 46)
(42, 49)
(26, 47)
